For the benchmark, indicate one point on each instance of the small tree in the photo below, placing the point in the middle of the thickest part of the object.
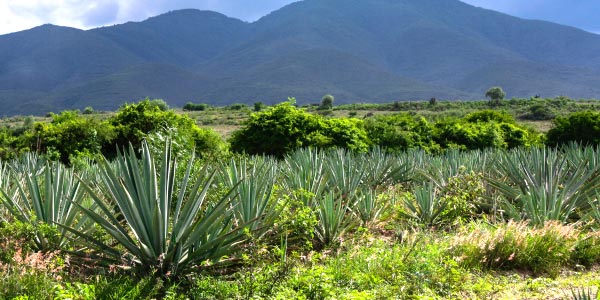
(88, 110)
(326, 102)
(432, 101)
(496, 95)
(258, 106)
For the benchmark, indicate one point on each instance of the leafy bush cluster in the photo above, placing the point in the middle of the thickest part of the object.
(284, 128)
(71, 137)
(580, 127)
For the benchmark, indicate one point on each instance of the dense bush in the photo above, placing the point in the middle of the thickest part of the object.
(69, 136)
(283, 128)
(580, 127)
(195, 107)
(484, 129)
(136, 122)
(400, 132)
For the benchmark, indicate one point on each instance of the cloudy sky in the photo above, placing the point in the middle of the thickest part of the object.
(16, 15)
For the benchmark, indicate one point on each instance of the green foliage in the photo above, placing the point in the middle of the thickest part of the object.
(283, 128)
(77, 291)
(580, 127)
(516, 246)
(237, 106)
(485, 129)
(159, 103)
(159, 225)
(70, 136)
(136, 122)
(88, 110)
(400, 132)
(540, 111)
(275, 131)
(496, 95)
(488, 115)
(326, 102)
(258, 106)
(195, 107)
(342, 133)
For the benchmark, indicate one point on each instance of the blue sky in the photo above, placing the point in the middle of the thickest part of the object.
(16, 15)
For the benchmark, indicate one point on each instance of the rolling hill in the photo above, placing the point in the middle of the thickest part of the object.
(357, 50)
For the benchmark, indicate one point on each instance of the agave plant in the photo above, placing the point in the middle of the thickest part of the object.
(542, 185)
(333, 218)
(425, 208)
(45, 194)
(157, 227)
(583, 294)
(369, 206)
(382, 169)
(304, 170)
(439, 169)
(253, 183)
(345, 172)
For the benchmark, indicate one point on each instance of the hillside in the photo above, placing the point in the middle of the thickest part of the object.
(358, 50)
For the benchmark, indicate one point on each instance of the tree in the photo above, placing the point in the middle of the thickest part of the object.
(258, 106)
(326, 102)
(160, 103)
(496, 95)
(88, 110)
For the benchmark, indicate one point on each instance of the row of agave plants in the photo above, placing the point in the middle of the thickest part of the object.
(143, 212)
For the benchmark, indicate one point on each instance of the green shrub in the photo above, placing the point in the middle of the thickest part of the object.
(399, 132)
(195, 107)
(283, 128)
(136, 122)
(70, 135)
(580, 127)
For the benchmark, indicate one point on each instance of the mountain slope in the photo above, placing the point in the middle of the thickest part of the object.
(358, 50)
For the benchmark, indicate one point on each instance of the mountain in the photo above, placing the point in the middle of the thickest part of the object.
(357, 50)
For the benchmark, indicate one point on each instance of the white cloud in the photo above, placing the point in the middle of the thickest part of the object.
(16, 15)
(24, 14)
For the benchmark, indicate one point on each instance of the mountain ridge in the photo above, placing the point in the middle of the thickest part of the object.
(358, 50)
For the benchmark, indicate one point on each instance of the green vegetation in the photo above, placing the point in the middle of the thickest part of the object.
(399, 205)
(581, 127)
(496, 95)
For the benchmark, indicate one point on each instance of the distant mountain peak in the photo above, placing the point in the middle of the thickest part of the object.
(357, 50)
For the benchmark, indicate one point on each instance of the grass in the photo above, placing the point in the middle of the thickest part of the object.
(368, 264)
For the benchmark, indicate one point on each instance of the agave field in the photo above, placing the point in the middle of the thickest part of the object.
(315, 224)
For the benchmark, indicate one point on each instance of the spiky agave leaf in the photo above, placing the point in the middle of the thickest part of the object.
(345, 172)
(304, 170)
(47, 194)
(160, 228)
(541, 185)
(369, 206)
(333, 217)
(253, 182)
(384, 170)
(426, 208)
